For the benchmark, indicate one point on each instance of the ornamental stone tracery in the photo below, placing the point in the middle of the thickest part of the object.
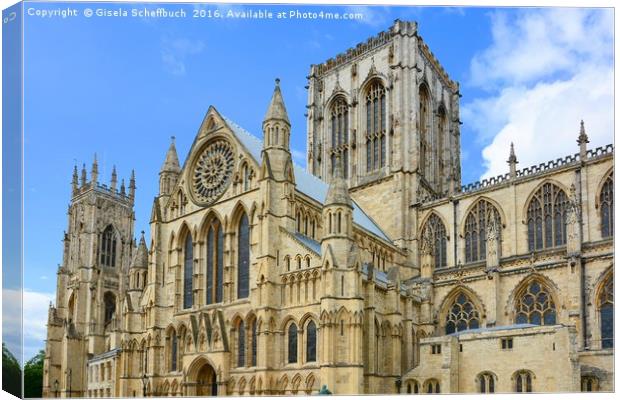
(212, 172)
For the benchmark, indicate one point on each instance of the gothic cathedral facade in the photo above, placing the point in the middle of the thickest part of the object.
(372, 271)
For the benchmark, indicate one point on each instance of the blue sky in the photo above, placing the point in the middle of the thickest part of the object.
(121, 87)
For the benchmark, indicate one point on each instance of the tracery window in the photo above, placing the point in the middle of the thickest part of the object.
(606, 199)
(535, 306)
(375, 126)
(523, 381)
(606, 312)
(486, 383)
(442, 123)
(241, 344)
(462, 315)
(107, 250)
(292, 344)
(476, 225)
(437, 233)
(311, 342)
(340, 134)
(215, 263)
(243, 265)
(546, 218)
(188, 271)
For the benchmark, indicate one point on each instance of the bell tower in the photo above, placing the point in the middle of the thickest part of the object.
(390, 111)
(85, 321)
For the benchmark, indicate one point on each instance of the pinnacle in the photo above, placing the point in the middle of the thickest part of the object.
(277, 109)
(171, 163)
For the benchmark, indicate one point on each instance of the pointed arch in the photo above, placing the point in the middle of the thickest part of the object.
(605, 203)
(475, 225)
(605, 309)
(461, 309)
(434, 227)
(375, 127)
(535, 301)
(545, 212)
(108, 246)
(338, 127)
(212, 234)
(425, 129)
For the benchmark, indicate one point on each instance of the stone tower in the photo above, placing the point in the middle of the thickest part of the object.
(388, 109)
(98, 248)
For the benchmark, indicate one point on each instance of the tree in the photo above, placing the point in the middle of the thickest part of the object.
(11, 373)
(33, 376)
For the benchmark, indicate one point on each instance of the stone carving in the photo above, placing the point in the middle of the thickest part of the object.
(212, 171)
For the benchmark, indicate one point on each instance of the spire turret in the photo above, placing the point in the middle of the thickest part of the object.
(512, 161)
(94, 172)
(276, 125)
(141, 258)
(113, 181)
(83, 177)
(74, 181)
(583, 140)
(277, 109)
(338, 193)
(132, 185)
(170, 170)
(123, 186)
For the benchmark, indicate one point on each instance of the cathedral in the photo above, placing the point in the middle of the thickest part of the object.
(371, 271)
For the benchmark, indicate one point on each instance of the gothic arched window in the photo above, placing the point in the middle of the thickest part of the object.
(173, 350)
(486, 382)
(375, 126)
(535, 305)
(476, 225)
(606, 312)
(241, 345)
(462, 315)
(254, 343)
(523, 381)
(215, 263)
(436, 230)
(243, 264)
(188, 272)
(425, 124)
(292, 344)
(340, 134)
(442, 123)
(109, 301)
(606, 199)
(546, 218)
(589, 384)
(107, 250)
(311, 342)
(432, 386)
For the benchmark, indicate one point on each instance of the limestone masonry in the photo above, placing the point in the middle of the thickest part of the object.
(374, 271)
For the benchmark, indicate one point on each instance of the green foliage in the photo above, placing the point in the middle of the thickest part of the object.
(11, 373)
(33, 376)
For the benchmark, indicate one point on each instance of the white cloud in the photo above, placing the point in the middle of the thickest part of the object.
(544, 72)
(175, 52)
(374, 16)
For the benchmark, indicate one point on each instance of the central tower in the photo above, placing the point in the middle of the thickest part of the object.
(390, 112)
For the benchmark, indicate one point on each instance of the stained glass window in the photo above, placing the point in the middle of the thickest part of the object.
(486, 383)
(439, 239)
(340, 134)
(292, 344)
(311, 342)
(462, 315)
(607, 207)
(606, 310)
(107, 250)
(254, 343)
(173, 351)
(476, 225)
(243, 267)
(523, 381)
(188, 271)
(546, 218)
(535, 306)
(110, 307)
(376, 126)
(241, 345)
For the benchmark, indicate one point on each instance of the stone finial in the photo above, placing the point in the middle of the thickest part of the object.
(512, 161)
(141, 259)
(582, 140)
(83, 177)
(338, 193)
(277, 109)
(94, 172)
(171, 162)
(114, 179)
(132, 185)
(74, 180)
(123, 186)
